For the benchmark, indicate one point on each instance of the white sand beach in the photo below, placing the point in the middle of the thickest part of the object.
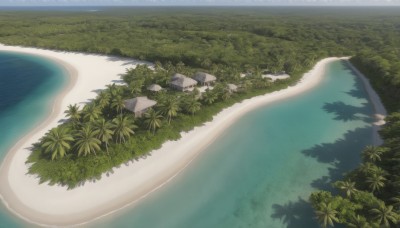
(55, 205)
(380, 110)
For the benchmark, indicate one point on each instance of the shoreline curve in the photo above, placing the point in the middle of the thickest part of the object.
(127, 184)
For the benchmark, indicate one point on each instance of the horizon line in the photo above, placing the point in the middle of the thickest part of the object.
(200, 5)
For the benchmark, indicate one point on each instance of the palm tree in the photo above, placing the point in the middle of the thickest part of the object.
(257, 72)
(56, 142)
(347, 186)
(118, 104)
(396, 202)
(246, 85)
(104, 132)
(384, 214)
(73, 113)
(358, 222)
(153, 120)
(114, 90)
(86, 141)
(209, 97)
(192, 106)
(376, 182)
(135, 87)
(123, 127)
(372, 154)
(326, 215)
(158, 65)
(91, 112)
(103, 100)
(170, 108)
(226, 94)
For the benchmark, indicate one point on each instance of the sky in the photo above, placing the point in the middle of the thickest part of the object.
(195, 2)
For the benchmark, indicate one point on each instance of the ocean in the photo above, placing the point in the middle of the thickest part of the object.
(28, 85)
(259, 173)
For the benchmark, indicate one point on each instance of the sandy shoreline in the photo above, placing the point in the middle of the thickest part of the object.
(55, 205)
(380, 110)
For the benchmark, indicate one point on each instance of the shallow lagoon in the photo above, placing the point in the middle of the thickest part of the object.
(28, 85)
(258, 174)
(262, 170)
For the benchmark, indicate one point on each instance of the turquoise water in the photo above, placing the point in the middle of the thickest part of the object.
(262, 170)
(28, 85)
(258, 174)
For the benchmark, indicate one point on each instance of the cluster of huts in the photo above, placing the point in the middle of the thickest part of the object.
(180, 82)
(183, 83)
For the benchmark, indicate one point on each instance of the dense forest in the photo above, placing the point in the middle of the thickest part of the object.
(225, 42)
(263, 37)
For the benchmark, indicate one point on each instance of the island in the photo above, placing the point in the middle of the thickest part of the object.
(122, 127)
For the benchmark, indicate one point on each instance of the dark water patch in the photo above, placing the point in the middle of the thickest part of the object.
(19, 77)
(28, 85)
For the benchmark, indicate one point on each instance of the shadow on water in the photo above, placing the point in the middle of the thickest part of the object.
(297, 214)
(343, 155)
(356, 93)
(345, 112)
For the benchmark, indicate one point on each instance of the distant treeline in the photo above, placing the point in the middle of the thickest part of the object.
(275, 37)
(383, 70)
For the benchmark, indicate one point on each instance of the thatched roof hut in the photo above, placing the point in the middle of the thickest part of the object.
(232, 88)
(177, 76)
(139, 105)
(154, 87)
(182, 83)
(204, 78)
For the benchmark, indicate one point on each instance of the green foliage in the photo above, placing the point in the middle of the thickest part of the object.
(152, 120)
(382, 67)
(374, 189)
(57, 142)
(114, 136)
(225, 42)
(252, 38)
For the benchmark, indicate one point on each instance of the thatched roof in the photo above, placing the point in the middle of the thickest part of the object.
(232, 87)
(204, 77)
(183, 82)
(177, 76)
(138, 104)
(154, 87)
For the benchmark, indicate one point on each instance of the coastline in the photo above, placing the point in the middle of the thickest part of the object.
(107, 71)
(54, 205)
(379, 109)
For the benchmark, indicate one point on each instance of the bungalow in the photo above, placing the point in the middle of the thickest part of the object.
(139, 105)
(232, 88)
(204, 78)
(154, 88)
(182, 83)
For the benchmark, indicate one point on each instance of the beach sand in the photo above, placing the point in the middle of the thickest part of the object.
(55, 205)
(379, 109)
